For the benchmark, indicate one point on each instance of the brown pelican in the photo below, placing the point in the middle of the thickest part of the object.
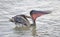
(22, 19)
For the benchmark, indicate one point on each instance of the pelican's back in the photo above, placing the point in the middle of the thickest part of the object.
(21, 19)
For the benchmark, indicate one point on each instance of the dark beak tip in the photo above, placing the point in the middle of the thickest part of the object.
(48, 12)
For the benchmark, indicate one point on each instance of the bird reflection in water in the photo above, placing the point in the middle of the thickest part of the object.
(34, 33)
(25, 31)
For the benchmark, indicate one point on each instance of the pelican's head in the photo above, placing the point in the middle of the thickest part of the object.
(34, 14)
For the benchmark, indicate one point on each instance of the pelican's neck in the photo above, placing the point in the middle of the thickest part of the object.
(34, 23)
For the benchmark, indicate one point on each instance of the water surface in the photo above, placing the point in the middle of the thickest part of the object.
(46, 26)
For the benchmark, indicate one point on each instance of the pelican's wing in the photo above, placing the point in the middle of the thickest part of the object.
(21, 20)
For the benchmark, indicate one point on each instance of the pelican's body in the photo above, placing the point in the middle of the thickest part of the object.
(22, 19)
